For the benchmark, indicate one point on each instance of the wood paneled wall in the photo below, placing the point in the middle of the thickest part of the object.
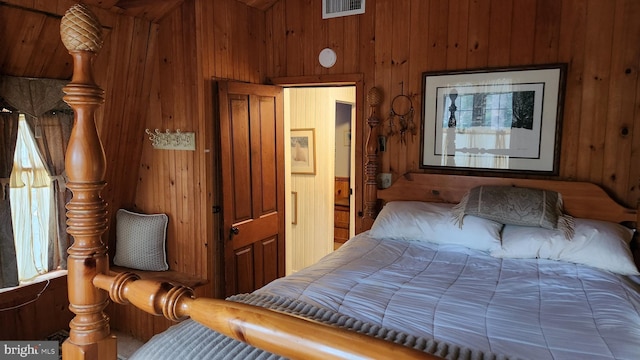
(32, 47)
(395, 41)
(197, 43)
(155, 75)
(34, 312)
(30, 32)
(160, 75)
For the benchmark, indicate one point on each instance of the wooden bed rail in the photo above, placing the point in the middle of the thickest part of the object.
(284, 334)
(90, 336)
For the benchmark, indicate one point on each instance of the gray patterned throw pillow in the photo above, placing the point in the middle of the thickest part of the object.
(516, 206)
(140, 241)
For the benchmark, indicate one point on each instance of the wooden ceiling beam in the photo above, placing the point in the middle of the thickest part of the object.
(134, 4)
(260, 4)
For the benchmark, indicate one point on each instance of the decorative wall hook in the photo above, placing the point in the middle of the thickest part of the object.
(172, 141)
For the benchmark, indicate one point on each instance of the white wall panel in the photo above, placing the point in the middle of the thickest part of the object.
(312, 236)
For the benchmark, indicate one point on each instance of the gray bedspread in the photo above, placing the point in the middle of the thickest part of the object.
(191, 340)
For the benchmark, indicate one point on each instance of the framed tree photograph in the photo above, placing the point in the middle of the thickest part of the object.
(504, 120)
(303, 151)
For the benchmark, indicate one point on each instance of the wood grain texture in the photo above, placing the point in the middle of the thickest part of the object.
(260, 4)
(283, 334)
(195, 44)
(23, 310)
(158, 74)
(581, 199)
(87, 218)
(593, 37)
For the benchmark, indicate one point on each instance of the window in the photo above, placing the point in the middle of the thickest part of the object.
(486, 126)
(31, 202)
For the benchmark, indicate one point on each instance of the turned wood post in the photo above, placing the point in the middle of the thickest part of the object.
(85, 165)
(374, 98)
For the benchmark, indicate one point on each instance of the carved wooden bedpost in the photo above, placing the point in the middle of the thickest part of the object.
(374, 97)
(85, 164)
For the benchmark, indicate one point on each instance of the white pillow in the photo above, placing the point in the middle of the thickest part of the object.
(434, 222)
(140, 241)
(599, 244)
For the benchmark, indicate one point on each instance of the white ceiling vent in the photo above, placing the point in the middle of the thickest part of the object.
(336, 8)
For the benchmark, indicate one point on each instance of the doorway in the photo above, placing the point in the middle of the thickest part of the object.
(311, 224)
(343, 213)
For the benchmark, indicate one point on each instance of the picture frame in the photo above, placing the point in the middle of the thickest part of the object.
(505, 120)
(303, 151)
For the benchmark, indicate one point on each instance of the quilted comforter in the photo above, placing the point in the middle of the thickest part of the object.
(447, 297)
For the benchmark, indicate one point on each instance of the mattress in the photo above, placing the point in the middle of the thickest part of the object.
(523, 308)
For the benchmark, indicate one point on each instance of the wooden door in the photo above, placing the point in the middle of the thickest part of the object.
(252, 160)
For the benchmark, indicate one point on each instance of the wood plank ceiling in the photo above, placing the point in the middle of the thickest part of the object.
(260, 4)
(154, 10)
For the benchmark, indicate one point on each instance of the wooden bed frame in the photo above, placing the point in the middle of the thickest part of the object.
(581, 199)
(90, 283)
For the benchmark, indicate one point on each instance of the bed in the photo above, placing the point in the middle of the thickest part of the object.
(444, 272)
(477, 292)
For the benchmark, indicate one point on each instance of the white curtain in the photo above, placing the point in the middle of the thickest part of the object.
(479, 147)
(30, 205)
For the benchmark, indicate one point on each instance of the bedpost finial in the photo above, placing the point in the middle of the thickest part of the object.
(81, 30)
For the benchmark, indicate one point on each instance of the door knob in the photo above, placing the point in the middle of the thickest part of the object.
(235, 230)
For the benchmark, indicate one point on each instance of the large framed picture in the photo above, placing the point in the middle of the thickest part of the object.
(303, 151)
(503, 120)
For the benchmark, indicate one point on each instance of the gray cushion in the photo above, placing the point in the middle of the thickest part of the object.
(140, 241)
(516, 206)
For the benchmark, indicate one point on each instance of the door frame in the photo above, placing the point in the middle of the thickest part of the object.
(352, 161)
(360, 130)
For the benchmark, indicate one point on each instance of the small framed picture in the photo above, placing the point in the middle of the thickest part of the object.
(303, 151)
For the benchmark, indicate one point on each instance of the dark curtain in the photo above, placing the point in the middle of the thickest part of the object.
(8, 137)
(36, 98)
(33, 96)
(52, 131)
